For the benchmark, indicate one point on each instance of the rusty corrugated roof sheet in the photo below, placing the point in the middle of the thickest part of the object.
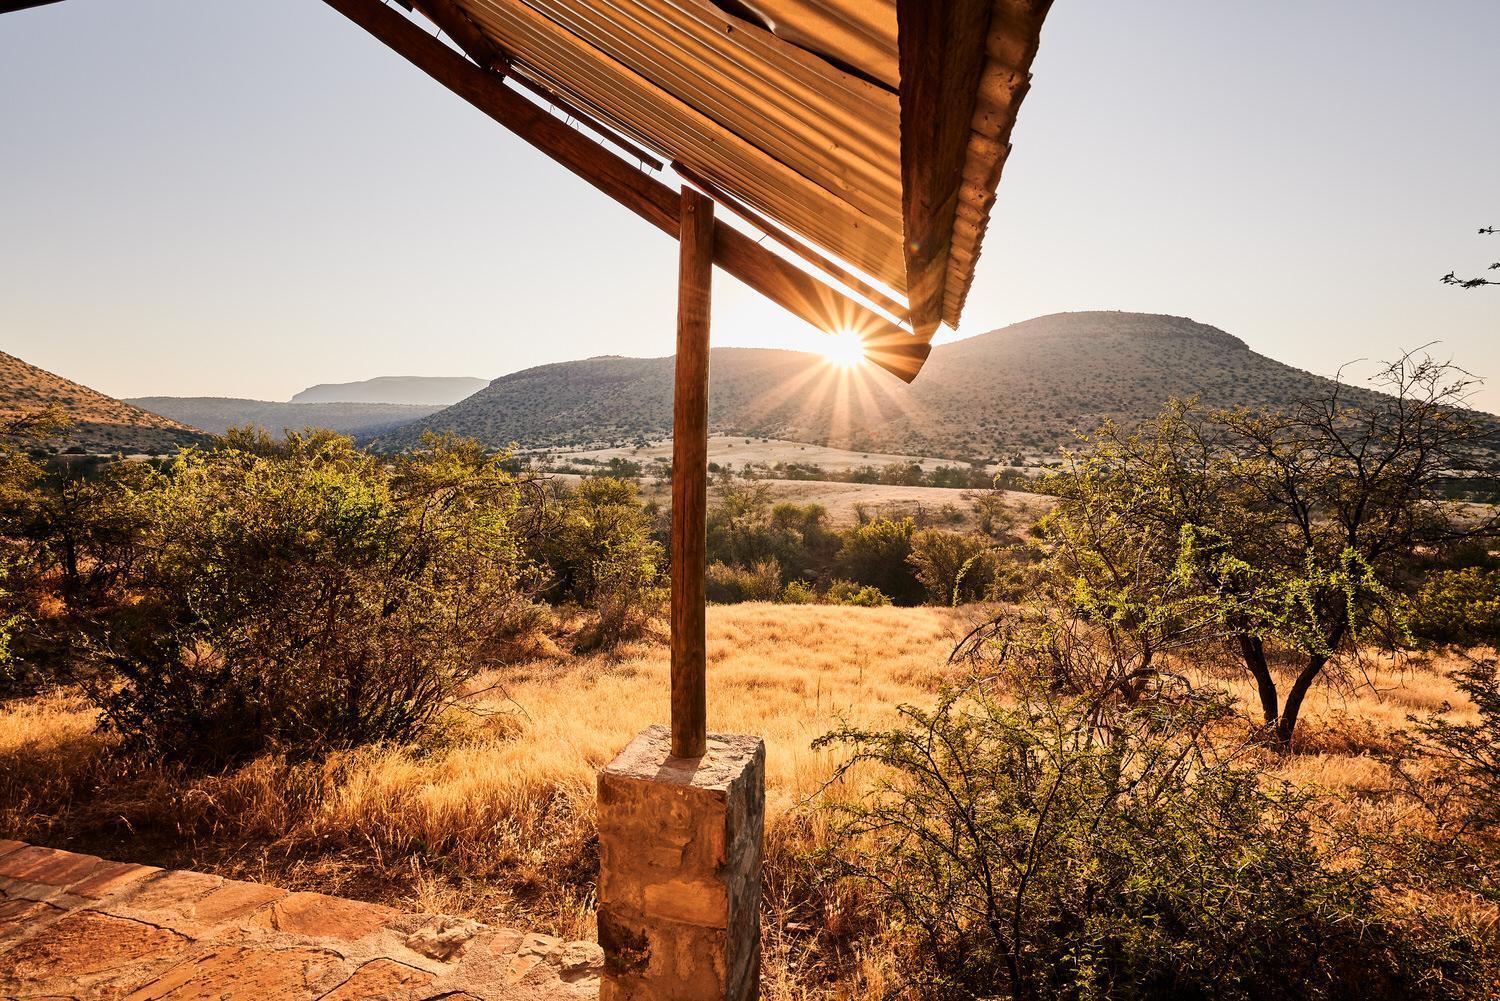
(792, 106)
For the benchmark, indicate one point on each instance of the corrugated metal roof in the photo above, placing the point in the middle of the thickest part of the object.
(791, 106)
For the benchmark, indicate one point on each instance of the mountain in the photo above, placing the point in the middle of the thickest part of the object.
(1025, 387)
(412, 390)
(100, 423)
(215, 414)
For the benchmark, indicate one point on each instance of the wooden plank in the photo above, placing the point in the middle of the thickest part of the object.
(10, 6)
(479, 47)
(779, 280)
(841, 274)
(589, 122)
(942, 49)
(448, 16)
(690, 477)
(772, 276)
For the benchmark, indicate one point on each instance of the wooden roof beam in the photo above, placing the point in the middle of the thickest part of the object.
(451, 18)
(941, 45)
(831, 268)
(479, 47)
(887, 344)
(11, 6)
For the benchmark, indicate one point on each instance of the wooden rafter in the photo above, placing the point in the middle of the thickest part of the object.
(479, 47)
(9, 6)
(843, 275)
(476, 44)
(887, 344)
(942, 52)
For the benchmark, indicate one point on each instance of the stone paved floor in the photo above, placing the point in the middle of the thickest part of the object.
(77, 928)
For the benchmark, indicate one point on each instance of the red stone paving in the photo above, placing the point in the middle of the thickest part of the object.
(79, 928)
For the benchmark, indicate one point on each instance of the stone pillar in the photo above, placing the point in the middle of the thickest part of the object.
(679, 870)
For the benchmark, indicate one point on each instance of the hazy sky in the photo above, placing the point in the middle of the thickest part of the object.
(216, 198)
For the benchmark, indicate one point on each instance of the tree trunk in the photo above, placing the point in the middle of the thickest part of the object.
(1286, 726)
(1254, 653)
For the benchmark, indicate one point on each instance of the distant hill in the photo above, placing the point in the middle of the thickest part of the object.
(100, 423)
(412, 390)
(1025, 387)
(216, 414)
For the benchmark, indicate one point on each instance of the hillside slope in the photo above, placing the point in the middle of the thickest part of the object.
(216, 414)
(1026, 387)
(412, 390)
(100, 423)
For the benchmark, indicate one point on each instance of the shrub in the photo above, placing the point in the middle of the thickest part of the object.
(1458, 606)
(745, 529)
(63, 541)
(729, 585)
(1453, 770)
(304, 595)
(848, 592)
(954, 567)
(876, 553)
(995, 517)
(799, 592)
(1033, 848)
(602, 556)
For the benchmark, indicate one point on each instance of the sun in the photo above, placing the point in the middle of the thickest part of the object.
(844, 349)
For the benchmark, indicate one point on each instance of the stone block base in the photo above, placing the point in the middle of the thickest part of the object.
(679, 870)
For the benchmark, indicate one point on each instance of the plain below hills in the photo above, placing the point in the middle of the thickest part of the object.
(362, 409)
(216, 414)
(1024, 389)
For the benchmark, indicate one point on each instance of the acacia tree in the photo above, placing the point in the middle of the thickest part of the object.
(1111, 586)
(1283, 528)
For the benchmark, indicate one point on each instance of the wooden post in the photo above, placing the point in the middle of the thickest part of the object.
(690, 476)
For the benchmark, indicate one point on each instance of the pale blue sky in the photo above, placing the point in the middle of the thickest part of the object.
(216, 198)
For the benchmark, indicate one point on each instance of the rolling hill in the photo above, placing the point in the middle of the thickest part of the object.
(1023, 388)
(415, 390)
(100, 423)
(215, 414)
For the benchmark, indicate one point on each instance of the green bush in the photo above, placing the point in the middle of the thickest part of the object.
(799, 592)
(1452, 767)
(954, 567)
(745, 529)
(848, 592)
(1458, 606)
(601, 556)
(65, 539)
(1029, 845)
(303, 595)
(876, 553)
(729, 585)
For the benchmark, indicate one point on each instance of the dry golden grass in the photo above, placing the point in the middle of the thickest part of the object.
(493, 817)
(503, 794)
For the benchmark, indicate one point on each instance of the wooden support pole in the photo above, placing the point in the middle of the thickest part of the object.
(690, 477)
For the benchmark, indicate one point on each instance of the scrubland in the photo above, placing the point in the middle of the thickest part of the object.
(492, 816)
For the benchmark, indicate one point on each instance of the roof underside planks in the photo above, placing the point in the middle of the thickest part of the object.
(875, 130)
